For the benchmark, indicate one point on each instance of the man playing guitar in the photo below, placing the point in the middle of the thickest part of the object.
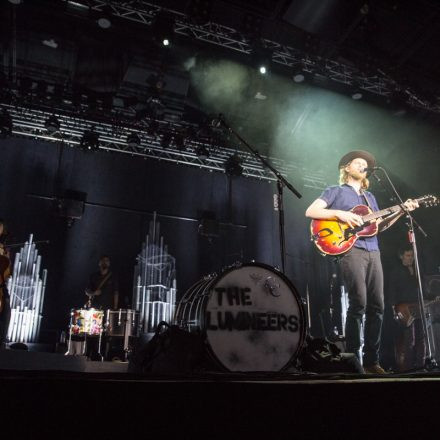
(361, 266)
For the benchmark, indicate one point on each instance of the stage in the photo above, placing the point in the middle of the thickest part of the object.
(49, 393)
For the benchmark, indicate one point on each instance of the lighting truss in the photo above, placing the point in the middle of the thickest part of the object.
(29, 123)
(229, 38)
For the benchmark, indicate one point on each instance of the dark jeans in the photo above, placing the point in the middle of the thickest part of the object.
(410, 347)
(363, 278)
(5, 317)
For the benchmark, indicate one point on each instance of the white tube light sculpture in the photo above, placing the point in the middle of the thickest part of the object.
(26, 288)
(154, 287)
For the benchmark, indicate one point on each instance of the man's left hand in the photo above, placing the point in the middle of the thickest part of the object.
(410, 204)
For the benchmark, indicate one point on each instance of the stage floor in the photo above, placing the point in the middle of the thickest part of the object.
(47, 393)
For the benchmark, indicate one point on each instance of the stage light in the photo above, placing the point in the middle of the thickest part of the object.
(166, 140)
(52, 124)
(202, 151)
(50, 43)
(357, 95)
(199, 11)
(104, 17)
(252, 26)
(90, 140)
(299, 77)
(180, 141)
(261, 58)
(153, 127)
(133, 140)
(233, 165)
(163, 29)
(5, 124)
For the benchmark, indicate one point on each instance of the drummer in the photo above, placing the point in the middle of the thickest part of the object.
(102, 289)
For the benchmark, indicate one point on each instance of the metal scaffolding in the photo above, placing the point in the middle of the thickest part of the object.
(30, 123)
(229, 38)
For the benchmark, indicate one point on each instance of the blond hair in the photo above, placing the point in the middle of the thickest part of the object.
(343, 178)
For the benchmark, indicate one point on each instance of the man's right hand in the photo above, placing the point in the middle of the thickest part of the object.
(350, 218)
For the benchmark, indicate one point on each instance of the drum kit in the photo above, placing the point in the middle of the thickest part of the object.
(250, 315)
(92, 324)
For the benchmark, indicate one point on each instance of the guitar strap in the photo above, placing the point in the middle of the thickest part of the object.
(364, 194)
(103, 281)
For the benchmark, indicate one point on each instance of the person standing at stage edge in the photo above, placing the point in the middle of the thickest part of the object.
(5, 272)
(361, 266)
(102, 289)
(410, 348)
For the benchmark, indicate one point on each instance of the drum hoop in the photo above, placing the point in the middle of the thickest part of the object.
(296, 294)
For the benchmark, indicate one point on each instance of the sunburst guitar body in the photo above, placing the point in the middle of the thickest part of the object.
(333, 237)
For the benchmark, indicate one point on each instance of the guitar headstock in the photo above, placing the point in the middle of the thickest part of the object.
(428, 200)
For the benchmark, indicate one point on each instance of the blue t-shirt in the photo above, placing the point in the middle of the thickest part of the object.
(344, 198)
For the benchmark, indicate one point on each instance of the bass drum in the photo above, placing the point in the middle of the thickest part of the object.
(251, 318)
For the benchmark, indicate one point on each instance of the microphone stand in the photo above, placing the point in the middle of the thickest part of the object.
(281, 183)
(429, 363)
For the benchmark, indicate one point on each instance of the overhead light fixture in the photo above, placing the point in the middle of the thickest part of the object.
(163, 29)
(199, 11)
(156, 81)
(166, 140)
(298, 73)
(357, 95)
(5, 124)
(202, 151)
(50, 43)
(233, 165)
(153, 127)
(252, 26)
(180, 141)
(90, 140)
(105, 17)
(261, 58)
(52, 124)
(133, 140)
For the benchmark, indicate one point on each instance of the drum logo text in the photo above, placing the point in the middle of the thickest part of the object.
(246, 320)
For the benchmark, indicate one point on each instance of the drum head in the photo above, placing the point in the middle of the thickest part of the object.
(254, 320)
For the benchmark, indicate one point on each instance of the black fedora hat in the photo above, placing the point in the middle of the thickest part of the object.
(368, 157)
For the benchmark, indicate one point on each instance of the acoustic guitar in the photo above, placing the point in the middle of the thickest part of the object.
(333, 237)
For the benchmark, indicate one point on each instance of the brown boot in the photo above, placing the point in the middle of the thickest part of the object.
(374, 369)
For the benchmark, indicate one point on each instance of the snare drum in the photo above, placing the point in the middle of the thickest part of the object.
(251, 317)
(122, 322)
(86, 322)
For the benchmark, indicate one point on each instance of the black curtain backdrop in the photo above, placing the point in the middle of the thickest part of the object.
(123, 192)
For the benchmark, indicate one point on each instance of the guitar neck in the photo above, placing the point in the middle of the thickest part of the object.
(381, 213)
(386, 211)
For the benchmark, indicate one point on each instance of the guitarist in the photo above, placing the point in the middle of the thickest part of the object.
(361, 267)
(410, 348)
(102, 288)
(5, 271)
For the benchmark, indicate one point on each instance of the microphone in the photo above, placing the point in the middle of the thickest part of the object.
(370, 169)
